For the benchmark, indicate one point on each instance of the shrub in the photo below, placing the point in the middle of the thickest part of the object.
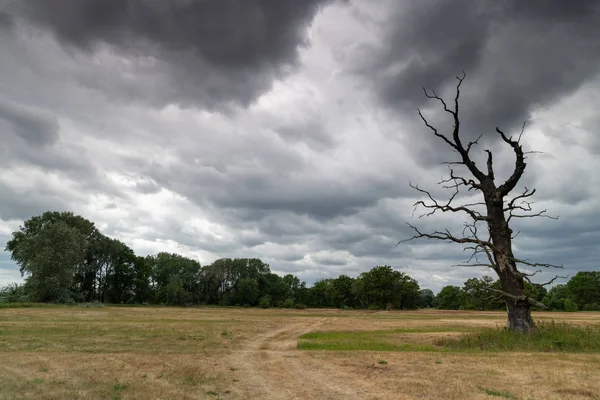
(14, 293)
(93, 304)
(288, 303)
(265, 301)
(300, 306)
(570, 305)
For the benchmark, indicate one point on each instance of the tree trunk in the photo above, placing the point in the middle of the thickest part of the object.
(519, 313)
(519, 316)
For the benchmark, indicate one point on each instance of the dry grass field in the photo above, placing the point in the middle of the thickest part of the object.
(218, 353)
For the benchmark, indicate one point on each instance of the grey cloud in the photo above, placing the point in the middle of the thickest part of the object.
(36, 127)
(209, 53)
(269, 187)
(6, 21)
(277, 179)
(25, 204)
(291, 257)
(517, 55)
(66, 160)
(309, 132)
(329, 260)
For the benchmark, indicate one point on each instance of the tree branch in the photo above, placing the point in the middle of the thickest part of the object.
(435, 131)
(490, 165)
(520, 165)
(445, 236)
(535, 265)
(445, 207)
(455, 143)
(459, 180)
(531, 301)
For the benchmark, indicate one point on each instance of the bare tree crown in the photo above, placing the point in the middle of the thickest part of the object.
(499, 211)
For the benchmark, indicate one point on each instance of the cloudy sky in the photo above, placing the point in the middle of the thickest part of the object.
(288, 130)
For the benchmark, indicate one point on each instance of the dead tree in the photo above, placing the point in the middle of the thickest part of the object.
(495, 211)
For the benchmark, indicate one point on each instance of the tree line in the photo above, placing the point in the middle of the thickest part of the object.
(581, 292)
(66, 259)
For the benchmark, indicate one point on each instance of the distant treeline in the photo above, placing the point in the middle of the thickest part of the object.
(581, 292)
(65, 259)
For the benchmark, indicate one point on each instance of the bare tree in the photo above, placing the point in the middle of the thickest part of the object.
(495, 211)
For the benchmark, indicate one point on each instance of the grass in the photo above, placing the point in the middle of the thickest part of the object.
(89, 352)
(382, 340)
(401, 339)
(28, 305)
(499, 393)
(108, 352)
(549, 337)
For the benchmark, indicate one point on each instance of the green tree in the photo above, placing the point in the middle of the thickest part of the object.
(141, 284)
(170, 272)
(449, 298)
(84, 280)
(48, 252)
(476, 294)
(292, 285)
(584, 289)
(383, 285)
(426, 298)
(341, 292)
(247, 291)
(120, 278)
(556, 297)
(174, 293)
(273, 285)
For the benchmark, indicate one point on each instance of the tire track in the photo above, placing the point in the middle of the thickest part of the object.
(271, 367)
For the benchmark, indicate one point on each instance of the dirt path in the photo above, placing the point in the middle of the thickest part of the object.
(271, 367)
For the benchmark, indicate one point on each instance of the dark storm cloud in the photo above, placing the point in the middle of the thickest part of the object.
(30, 136)
(313, 177)
(211, 52)
(36, 127)
(517, 55)
(6, 20)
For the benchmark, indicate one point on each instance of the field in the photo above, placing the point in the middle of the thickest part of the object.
(225, 353)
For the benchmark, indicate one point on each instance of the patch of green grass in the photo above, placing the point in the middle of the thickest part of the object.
(549, 337)
(499, 393)
(118, 388)
(369, 340)
(340, 335)
(367, 346)
(29, 305)
(382, 362)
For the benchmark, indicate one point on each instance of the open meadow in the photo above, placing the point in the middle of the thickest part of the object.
(147, 353)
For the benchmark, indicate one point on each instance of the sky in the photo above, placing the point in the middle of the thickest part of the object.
(288, 130)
